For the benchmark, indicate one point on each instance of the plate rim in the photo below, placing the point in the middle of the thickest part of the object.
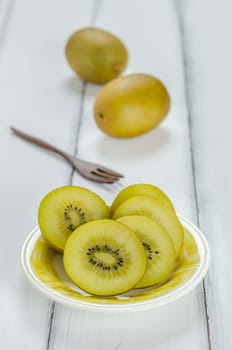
(132, 306)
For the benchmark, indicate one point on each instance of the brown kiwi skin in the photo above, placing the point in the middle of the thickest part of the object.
(96, 55)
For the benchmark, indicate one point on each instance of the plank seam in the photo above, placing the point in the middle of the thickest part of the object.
(97, 5)
(95, 10)
(5, 22)
(191, 146)
(50, 329)
(78, 127)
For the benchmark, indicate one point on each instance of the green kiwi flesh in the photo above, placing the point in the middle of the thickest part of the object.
(140, 190)
(158, 246)
(64, 209)
(155, 209)
(104, 258)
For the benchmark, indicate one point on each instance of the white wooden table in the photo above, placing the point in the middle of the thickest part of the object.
(188, 45)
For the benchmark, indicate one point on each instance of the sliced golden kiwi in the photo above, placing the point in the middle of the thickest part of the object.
(64, 209)
(158, 246)
(140, 190)
(104, 257)
(155, 209)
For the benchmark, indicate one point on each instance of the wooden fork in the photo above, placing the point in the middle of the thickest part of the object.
(89, 170)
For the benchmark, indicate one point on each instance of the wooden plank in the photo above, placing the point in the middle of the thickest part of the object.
(153, 329)
(160, 157)
(208, 64)
(39, 95)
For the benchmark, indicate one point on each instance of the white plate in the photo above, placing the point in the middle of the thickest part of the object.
(49, 277)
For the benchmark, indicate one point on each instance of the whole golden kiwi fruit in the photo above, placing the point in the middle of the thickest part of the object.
(131, 105)
(96, 55)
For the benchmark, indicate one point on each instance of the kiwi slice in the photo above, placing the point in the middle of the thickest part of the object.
(155, 209)
(140, 190)
(104, 257)
(158, 246)
(64, 209)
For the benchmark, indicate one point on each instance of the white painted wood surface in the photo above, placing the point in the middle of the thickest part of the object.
(188, 46)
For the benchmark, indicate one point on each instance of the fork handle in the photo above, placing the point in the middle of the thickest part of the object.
(42, 143)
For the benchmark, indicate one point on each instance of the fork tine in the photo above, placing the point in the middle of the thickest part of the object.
(108, 171)
(104, 177)
(104, 174)
(90, 166)
(97, 178)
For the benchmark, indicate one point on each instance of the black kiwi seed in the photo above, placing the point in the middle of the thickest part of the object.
(71, 227)
(104, 248)
(69, 208)
(149, 250)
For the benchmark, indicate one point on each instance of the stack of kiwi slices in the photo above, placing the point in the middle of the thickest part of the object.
(109, 250)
